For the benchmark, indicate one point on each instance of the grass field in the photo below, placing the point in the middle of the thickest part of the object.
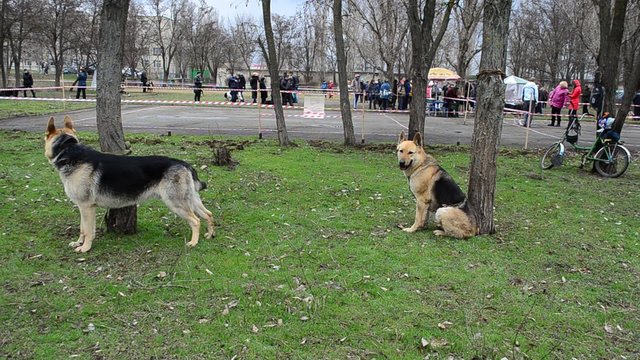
(309, 262)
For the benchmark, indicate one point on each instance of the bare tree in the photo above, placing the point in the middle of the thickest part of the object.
(630, 60)
(22, 24)
(4, 9)
(345, 107)
(137, 38)
(113, 19)
(489, 115)
(612, 24)
(270, 55)
(283, 33)
(167, 33)
(57, 27)
(423, 47)
(306, 46)
(467, 16)
(244, 38)
(386, 22)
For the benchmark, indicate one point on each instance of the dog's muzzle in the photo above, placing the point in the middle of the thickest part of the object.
(405, 165)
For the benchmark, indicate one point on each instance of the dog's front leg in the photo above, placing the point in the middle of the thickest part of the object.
(88, 228)
(421, 214)
(80, 240)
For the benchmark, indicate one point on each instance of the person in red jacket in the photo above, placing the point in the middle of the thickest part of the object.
(574, 101)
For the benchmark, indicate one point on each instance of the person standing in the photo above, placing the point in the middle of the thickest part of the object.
(636, 105)
(574, 101)
(234, 84)
(530, 99)
(263, 91)
(27, 82)
(385, 93)
(558, 99)
(586, 95)
(295, 84)
(81, 83)
(253, 82)
(143, 79)
(402, 90)
(408, 93)
(372, 94)
(597, 98)
(357, 89)
(543, 97)
(242, 85)
(197, 86)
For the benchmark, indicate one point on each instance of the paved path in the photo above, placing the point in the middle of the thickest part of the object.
(374, 126)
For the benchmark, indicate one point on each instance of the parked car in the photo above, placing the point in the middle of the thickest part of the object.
(69, 70)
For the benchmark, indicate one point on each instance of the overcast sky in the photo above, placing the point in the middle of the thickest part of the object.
(229, 9)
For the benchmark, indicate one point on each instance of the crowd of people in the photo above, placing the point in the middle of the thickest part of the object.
(381, 94)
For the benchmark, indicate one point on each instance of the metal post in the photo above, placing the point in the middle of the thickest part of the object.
(362, 135)
(260, 121)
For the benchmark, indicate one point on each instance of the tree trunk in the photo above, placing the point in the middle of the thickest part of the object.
(345, 106)
(108, 107)
(612, 23)
(423, 49)
(272, 63)
(631, 85)
(488, 120)
(3, 10)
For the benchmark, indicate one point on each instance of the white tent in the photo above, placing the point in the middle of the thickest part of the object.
(513, 91)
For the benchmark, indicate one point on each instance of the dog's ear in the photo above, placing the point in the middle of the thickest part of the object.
(68, 123)
(51, 127)
(417, 139)
(402, 137)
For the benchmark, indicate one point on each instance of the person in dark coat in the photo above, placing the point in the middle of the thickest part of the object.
(636, 105)
(80, 83)
(263, 91)
(586, 96)
(254, 86)
(143, 79)
(27, 82)
(242, 84)
(197, 86)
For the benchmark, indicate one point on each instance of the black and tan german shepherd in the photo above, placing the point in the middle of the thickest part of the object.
(435, 191)
(92, 179)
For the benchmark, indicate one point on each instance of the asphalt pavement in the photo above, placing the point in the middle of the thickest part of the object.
(369, 127)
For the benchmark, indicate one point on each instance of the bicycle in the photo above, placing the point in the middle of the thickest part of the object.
(611, 159)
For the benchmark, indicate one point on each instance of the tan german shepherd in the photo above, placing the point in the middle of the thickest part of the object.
(434, 191)
(92, 179)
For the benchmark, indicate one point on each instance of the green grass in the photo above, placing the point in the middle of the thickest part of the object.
(309, 263)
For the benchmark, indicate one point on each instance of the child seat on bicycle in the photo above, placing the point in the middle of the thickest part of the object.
(605, 124)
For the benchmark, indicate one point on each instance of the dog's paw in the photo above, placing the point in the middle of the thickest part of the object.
(438, 233)
(74, 244)
(82, 249)
(210, 234)
(192, 243)
(410, 230)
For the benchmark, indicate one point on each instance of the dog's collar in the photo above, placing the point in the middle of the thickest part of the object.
(422, 167)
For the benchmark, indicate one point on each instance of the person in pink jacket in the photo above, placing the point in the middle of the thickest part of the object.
(558, 99)
(574, 100)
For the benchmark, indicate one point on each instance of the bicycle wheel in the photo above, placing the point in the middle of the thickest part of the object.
(612, 160)
(551, 157)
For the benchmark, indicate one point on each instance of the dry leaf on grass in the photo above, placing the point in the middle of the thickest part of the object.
(445, 325)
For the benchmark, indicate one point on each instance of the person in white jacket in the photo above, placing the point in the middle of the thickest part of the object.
(529, 98)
